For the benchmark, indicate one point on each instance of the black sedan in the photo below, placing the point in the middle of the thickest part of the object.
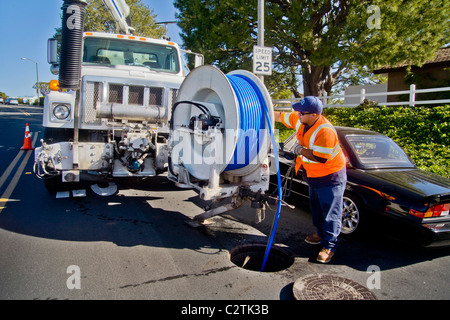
(384, 189)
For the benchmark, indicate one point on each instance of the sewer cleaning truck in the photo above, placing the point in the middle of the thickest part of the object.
(106, 116)
(123, 108)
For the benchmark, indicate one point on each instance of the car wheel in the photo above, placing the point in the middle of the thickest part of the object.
(351, 216)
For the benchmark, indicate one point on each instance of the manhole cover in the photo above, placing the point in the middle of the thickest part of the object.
(328, 287)
(251, 257)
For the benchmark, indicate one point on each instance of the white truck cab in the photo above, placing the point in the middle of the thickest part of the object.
(128, 84)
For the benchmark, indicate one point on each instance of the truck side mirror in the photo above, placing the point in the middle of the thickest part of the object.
(52, 55)
(52, 51)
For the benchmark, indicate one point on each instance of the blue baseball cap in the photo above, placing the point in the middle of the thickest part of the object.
(309, 104)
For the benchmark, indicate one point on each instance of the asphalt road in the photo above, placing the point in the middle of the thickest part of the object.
(136, 244)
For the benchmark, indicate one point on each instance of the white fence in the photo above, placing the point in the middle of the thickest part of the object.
(334, 101)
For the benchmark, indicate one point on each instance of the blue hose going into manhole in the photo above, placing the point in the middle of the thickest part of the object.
(243, 106)
(280, 194)
(254, 109)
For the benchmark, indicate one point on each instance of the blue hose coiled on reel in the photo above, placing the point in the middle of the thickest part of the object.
(253, 109)
(252, 120)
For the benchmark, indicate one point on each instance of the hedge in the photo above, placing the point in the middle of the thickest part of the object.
(422, 131)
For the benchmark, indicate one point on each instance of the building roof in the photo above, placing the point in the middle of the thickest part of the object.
(442, 58)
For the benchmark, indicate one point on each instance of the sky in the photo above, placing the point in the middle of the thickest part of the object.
(25, 27)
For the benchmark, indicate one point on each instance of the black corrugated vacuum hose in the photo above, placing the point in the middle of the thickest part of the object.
(71, 43)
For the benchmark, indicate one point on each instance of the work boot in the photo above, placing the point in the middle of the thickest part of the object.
(325, 255)
(313, 239)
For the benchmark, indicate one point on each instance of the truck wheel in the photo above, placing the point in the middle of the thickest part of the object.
(53, 184)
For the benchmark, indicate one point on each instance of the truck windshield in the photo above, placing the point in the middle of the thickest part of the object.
(113, 52)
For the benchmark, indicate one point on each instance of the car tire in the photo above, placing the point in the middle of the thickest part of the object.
(352, 216)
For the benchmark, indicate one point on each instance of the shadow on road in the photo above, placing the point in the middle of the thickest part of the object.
(373, 248)
(154, 212)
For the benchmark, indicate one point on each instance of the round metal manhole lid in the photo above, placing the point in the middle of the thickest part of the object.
(328, 287)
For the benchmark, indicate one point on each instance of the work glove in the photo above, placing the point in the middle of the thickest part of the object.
(297, 149)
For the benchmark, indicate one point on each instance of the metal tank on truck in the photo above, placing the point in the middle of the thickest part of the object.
(106, 117)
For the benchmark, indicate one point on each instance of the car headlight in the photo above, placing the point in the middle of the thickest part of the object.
(61, 112)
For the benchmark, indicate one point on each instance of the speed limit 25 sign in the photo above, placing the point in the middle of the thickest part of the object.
(262, 60)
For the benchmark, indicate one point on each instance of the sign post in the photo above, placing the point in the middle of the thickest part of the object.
(261, 5)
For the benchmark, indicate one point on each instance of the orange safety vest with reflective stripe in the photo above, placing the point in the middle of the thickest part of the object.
(322, 139)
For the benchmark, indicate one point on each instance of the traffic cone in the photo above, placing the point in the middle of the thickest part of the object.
(27, 139)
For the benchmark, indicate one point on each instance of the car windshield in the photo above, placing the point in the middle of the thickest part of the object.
(113, 52)
(377, 151)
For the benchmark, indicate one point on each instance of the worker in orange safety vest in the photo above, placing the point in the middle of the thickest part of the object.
(323, 167)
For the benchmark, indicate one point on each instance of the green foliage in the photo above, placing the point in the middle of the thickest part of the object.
(44, 87)
(283, 132)
(143, 19)
(315, 42)
(224, 31)
(423, 132)
(99, 19)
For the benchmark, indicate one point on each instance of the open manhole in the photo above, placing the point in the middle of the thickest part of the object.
(251, 257)
(328, 287)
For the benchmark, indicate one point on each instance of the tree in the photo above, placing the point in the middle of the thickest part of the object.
(223, 31)
(143, 19)
(44, 87)
(316, 41)
(98, 18)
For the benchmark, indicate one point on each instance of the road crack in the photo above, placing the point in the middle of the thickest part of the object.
(179, 276)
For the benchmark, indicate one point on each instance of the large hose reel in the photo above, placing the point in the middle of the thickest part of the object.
(219, 133)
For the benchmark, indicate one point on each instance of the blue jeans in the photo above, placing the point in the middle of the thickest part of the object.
(326, 208)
